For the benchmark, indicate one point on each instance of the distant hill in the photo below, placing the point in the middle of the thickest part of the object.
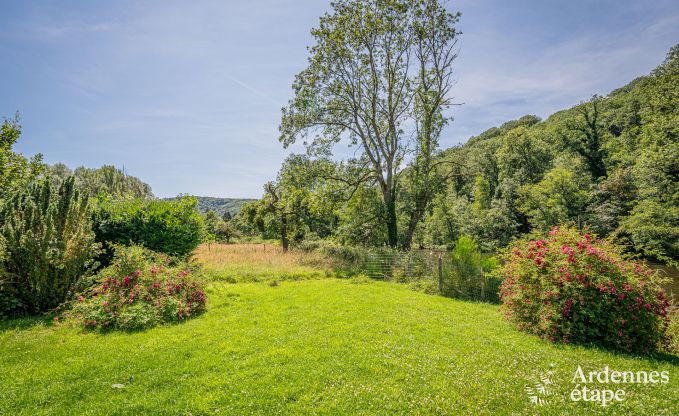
(220, 205)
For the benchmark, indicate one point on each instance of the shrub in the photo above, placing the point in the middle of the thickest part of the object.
(469, 272)
(10, 305)
(173, 227)
(573, 288)
(48, 243)
(140, 289)
(671, 340)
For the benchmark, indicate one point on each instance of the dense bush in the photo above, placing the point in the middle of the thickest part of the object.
(173, 227)
(573, 288)
(48, 245)
(140, 289)
(10, 305)
(469, 275)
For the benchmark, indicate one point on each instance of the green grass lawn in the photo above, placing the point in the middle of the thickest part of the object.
(321, 346)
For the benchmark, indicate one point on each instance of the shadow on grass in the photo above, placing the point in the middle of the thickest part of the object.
(25, 323)
(657, 355)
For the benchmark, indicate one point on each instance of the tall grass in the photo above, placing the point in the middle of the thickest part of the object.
(260, 262)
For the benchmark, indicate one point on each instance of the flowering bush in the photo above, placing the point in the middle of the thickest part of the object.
(139, 290)
(574, 288)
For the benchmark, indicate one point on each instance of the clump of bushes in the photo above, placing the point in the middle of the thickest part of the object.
(173, 227)
(570, 287)
(140, 289)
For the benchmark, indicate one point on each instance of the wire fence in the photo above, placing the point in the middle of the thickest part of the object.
(435, 269)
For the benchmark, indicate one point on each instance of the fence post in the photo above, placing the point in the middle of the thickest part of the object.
(483, 284)
(440, 263)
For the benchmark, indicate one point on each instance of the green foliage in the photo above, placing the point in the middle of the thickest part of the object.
(670, 342)
(172, 227)
(574, 288)
(378, 74)
(608, 164)
(10, 305)
(559, 197)
(107, 181)
(218, 229)
(49, 244)
(16, 172)
(140, 289)
(467, 277)
(296, 204)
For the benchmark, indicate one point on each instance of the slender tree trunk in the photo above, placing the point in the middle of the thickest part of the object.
(392, 225)
(284, 233)
(415, 217)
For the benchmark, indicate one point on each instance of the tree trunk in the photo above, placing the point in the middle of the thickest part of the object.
(392, 226)
(284, 233)
(415, 217)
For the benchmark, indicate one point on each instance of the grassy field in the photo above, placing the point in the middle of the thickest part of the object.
(258, 262)
(324, 346)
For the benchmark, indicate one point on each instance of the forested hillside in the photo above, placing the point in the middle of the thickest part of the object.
(609, 164)
(220, 205)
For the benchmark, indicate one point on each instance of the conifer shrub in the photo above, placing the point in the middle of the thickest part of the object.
(570, 287)
(48, 246)
(140, 289)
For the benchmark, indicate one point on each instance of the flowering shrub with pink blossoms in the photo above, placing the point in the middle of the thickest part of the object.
(570, 287)
(139, 290)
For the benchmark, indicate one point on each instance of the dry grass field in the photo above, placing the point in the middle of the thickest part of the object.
(259, 262)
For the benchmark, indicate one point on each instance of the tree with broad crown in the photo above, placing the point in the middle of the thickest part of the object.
(379, 77)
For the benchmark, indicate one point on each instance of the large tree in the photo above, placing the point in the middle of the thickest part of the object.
(379, 78)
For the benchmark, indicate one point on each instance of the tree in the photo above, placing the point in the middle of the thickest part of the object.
(227, 216)
(289, 207)
(225, 232)
(435, 39)
(584, 136)
(16, 172)
(559, 197)
(106, 180)
(376, 65)
(49, 243)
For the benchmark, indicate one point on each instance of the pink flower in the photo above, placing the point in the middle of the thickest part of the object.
(80, 298)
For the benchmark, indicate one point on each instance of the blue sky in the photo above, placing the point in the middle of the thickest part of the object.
(187, 94)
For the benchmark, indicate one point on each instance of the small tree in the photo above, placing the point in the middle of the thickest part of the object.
(16, 172)
(49, 243)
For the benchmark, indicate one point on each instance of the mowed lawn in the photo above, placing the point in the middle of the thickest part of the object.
(325, 346)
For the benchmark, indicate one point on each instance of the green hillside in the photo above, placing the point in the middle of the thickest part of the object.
(220, 205)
